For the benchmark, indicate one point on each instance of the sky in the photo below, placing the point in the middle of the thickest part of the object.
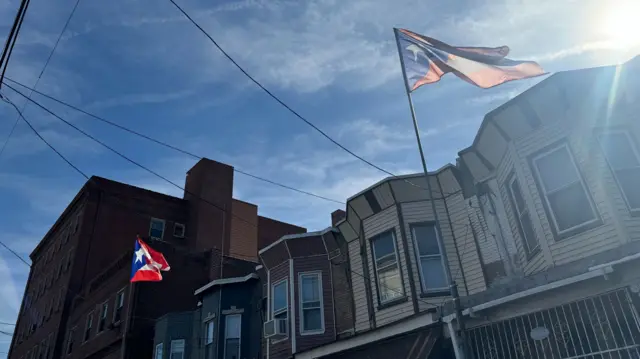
(141, 64)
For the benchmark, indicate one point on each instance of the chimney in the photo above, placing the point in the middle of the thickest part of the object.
(337, 216)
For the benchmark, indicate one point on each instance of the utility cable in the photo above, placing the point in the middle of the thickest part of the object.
(172, 147)
(282, 103)
(46, 63)
(13, 37)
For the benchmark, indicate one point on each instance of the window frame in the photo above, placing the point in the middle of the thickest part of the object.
(118, 305)
(164, 227)
(426, 292)
(529, 252)
(103, 306)
(176, 225)
(403, 296)
(226, 320)
(553, 224)
(209, 340)
(273, 312)
(86, 335)
(155, 351)
(321, 330)
(184, 348)
(636, 153)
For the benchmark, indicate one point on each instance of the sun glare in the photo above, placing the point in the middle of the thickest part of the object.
(622, 23)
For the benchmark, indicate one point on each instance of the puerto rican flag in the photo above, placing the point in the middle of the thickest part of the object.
(147, 264)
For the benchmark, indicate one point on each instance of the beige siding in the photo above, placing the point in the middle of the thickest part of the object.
(588, 242)
(631, 223)
(374, 225)
(361, 314)
(383, 195)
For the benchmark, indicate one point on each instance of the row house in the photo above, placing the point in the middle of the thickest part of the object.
(78, 302)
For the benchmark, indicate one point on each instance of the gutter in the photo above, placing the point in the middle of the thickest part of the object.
(593, 272)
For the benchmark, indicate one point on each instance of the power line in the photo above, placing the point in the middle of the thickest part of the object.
(164, 144)
(5, 323)
(282, 103)
(13, 37)
(53, 50)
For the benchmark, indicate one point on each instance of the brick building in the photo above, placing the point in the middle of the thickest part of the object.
(77, 295)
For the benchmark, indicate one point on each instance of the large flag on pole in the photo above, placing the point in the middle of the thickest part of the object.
(426, 60)
(147, 263)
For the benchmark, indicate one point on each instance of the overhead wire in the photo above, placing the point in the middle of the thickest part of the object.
(281, 102)
(13, 37)
(46, 63)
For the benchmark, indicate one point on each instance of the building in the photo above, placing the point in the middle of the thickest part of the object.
(77, 297)
(540, 229)
(227, 323)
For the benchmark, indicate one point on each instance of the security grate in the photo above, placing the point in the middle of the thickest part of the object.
(600, 327)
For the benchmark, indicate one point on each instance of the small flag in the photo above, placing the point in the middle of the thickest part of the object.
(426, 60)
(147, 263)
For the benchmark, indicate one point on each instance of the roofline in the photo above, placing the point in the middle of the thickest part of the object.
(299, 235)
(400, 177)
(225, 281)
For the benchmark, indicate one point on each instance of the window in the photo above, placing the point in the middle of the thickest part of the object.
(158, 353)
(103, 316)
(563, 190)
(622, 156)
(232, 331)
(156, 228)
(177, 349)
(386, 267)
(311, 309)
(429, 258)
(280, 303)
(118, 305)
(178, 230)
(87, 328)
(521, 213)
(208, 330)
(70, 341)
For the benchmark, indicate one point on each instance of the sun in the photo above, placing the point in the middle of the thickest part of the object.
(621, 23)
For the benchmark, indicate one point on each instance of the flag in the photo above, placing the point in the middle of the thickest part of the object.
(147, 263)
(426, 60)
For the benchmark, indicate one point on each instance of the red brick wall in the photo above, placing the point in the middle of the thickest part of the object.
(270, 230)
(244, 231)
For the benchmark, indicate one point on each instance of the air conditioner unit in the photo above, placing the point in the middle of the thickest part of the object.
(276, 328)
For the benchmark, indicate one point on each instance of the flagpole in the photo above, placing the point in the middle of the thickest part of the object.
(452, 284)
(123, 349)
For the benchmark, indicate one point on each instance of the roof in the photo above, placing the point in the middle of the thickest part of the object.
(298, 235)
(225, 281)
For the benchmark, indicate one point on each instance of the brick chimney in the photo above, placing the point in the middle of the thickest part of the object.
(337, 216)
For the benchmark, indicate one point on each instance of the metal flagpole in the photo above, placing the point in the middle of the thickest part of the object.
(123, 348)
(452, 284)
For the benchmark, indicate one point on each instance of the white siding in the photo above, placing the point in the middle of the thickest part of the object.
(361, 314)
(374, 225)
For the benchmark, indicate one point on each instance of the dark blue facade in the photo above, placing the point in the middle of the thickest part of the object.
(226, 325)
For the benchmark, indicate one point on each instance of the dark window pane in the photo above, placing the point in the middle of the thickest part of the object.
(618, 150)
(232, 349)
(556, 169)
(571, 207)
(630, 183)
(426, 238)
(310, 288)
(383, 245)
(517, 196)
(529, 235)
(433, 273)
(312, 319)
(280, 296)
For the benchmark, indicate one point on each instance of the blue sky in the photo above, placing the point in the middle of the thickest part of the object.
(141, 64)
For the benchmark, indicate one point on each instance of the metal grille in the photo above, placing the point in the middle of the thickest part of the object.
(601, 327)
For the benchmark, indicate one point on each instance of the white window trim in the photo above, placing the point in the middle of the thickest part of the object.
(106, 315)
(286, 308)
(375, 265)
(224, 353)
(164, 225)
(580, 179)
(419, 256)
(184, 347)
(117, 305)
(525, 243)
(176, 225)
(88, 326)
(615, 176)
(155, 351)
(317, 274)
